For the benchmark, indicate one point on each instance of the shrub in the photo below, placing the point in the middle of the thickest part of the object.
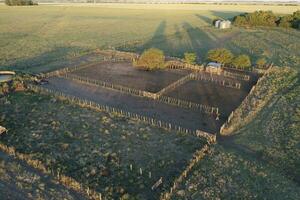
(267, 18)
(241, 61)
(221, 55)
(20, 2)
(257, 18)
(151, 59)
(190, 58)
(261, 62)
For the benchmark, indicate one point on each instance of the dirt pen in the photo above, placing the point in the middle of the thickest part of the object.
(186, 98)
(123, 73)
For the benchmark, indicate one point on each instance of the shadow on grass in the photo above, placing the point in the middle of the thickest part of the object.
(54, 58)
(225, 14)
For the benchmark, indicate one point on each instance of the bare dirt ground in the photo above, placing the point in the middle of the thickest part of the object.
(143, 106)
(226, 99)
(123, 73)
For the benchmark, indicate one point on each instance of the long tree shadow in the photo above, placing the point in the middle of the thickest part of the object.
(158, 39)
(225, 14)
(200, 42)
(206, 19)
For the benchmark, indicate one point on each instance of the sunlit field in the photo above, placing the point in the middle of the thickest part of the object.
(33, 37)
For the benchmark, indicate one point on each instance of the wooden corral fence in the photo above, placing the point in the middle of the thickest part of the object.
(135, 92)
(198, 155)
(175, 84)
(224, 128)
(226, 83)
(178, 64)
(79, 67)
(190, 105)
(237, 76)
(148, 120)
(107, 85)
(114, 54)
(66, 181)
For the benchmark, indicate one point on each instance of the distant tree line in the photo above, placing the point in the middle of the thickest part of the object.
(20, 3)
(154, 59)
(268, 18)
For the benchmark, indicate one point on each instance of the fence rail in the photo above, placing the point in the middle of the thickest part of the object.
(164, 99)
(191, 105)
(198, 155)
(225, 83)
(175, 84)
(236, 76)
(148, 120)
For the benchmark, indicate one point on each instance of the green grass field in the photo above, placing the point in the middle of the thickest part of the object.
(95, 148)
(31, 38)
(260, 160)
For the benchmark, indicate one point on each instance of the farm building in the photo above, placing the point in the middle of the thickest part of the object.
(222, 24)
(214, 67)
(6, 76)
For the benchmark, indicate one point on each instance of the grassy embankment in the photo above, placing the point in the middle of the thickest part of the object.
(260, 158)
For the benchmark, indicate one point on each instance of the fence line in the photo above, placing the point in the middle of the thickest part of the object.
(62, 179)
(148, 120)
(164, 99)
(226, 125)
(236, 76)
(198, 155)
(78, 67)
(175, 84)
(191, 105)
(201, 77)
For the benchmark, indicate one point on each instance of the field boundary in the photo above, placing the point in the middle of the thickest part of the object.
(140, 93)
(210, 138)
(230, 84)
(62, 179)
(197, 156)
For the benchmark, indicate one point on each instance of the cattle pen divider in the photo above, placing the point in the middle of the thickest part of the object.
(210, 138)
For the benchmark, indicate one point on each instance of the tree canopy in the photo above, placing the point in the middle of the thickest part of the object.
(220, 55)
(151, 59)
(241, 61)
(20, 2)
(267, 18)
(261, 62)
(190, 58)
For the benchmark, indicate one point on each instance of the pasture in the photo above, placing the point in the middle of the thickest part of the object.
(56, 34)
(102, 151)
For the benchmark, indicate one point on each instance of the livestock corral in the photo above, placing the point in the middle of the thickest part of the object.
(186, 99)
(155, 127)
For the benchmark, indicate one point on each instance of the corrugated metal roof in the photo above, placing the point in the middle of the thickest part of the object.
(214, 64)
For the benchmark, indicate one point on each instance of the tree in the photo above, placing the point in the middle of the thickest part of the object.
(242, 62)
(285, 21)
(151, 59)
(190, 58)
(221, 55)
(20, 2)
(261, 62)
